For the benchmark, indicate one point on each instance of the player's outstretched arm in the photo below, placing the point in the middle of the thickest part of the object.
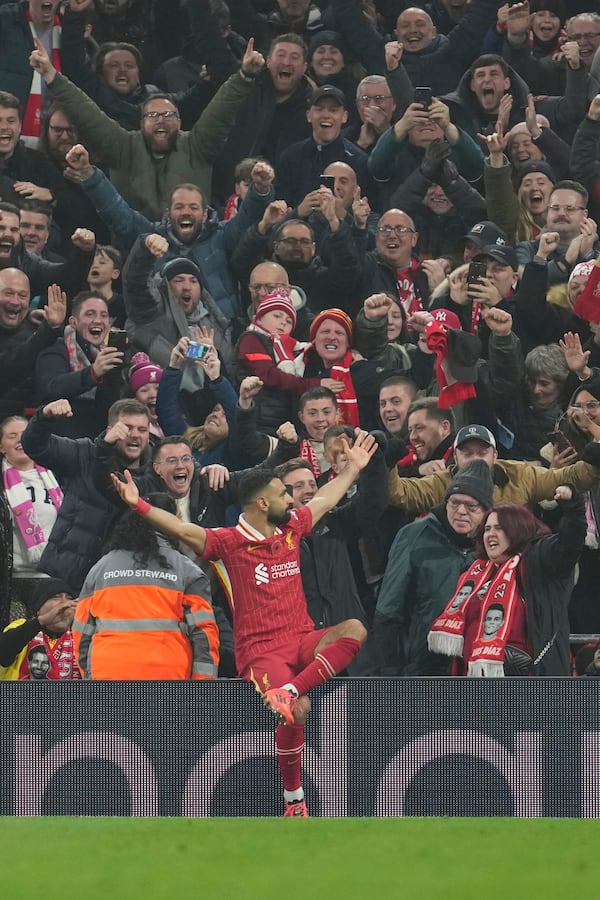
(194, 535)
(358, 457)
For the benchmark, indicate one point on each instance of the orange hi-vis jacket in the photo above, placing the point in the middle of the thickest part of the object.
(145, 621)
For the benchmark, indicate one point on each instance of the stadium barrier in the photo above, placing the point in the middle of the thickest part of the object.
(375, 747)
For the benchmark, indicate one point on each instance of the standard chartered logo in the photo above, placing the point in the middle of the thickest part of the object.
(261, 574)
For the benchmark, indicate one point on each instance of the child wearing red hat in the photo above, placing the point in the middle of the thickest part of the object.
(267, 349)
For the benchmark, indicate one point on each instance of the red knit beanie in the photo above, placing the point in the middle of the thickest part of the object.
(337, 315)
(271, 302)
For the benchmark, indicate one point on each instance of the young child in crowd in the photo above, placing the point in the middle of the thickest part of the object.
(104, 272)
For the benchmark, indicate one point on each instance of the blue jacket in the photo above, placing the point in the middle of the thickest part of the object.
(211, 249)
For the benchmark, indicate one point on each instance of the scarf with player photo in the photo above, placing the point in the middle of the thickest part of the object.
(59, 663)
(33, 111)
(446, 637)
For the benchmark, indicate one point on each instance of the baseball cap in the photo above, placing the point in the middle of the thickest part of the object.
(446, 317)
(506, 256)
(328, 92)
(474, 433)
(485, 233)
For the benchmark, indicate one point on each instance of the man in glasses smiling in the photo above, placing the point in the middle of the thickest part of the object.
(425, 562)
(392, 267)
(145, 165)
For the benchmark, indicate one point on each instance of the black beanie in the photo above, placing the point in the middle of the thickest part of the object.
(475, 480)
(49, 587)
(333, 38)
(180, 266)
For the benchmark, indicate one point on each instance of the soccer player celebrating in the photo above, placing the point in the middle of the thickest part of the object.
(276, 645)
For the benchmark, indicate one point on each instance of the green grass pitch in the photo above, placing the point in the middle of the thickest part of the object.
(294, 859)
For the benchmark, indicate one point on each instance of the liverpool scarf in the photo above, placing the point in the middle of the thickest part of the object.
(23, 510)
(60, 657)
(33, 110)
(499, 586)
(346, 399)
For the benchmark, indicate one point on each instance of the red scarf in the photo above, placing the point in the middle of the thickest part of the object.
(501, 598)
(587, 305)
(60, 657)
(307, 452)
(33, 110)
(451, 390)
(346, 399)
(231, 209)
(406, 288)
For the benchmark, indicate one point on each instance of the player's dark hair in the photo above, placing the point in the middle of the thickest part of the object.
(253, 484)
(135, 533)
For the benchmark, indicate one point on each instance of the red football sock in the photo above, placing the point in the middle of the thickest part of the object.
(289, 743)
(328, 662)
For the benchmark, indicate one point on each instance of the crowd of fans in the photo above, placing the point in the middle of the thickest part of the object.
(233, 234)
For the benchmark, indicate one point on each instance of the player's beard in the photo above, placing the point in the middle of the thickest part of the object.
(281, 518)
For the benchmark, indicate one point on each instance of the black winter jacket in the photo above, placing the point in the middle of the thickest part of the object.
(85, 517)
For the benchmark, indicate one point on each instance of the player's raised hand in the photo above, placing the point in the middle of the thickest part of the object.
(360, 453)
(126, 490)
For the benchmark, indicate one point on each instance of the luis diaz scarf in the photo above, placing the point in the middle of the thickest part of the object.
(33, 110)
(499, 584)
(23, 510)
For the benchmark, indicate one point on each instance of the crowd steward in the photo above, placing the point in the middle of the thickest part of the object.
(244, 236)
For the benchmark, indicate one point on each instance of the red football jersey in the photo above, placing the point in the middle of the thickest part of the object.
(266, 596)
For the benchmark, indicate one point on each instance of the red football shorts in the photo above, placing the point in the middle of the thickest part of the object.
(283, 661)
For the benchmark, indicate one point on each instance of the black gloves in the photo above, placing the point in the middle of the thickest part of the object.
(435, 156)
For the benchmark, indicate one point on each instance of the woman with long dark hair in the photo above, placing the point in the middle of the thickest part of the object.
(514, 620)
(145, 609)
